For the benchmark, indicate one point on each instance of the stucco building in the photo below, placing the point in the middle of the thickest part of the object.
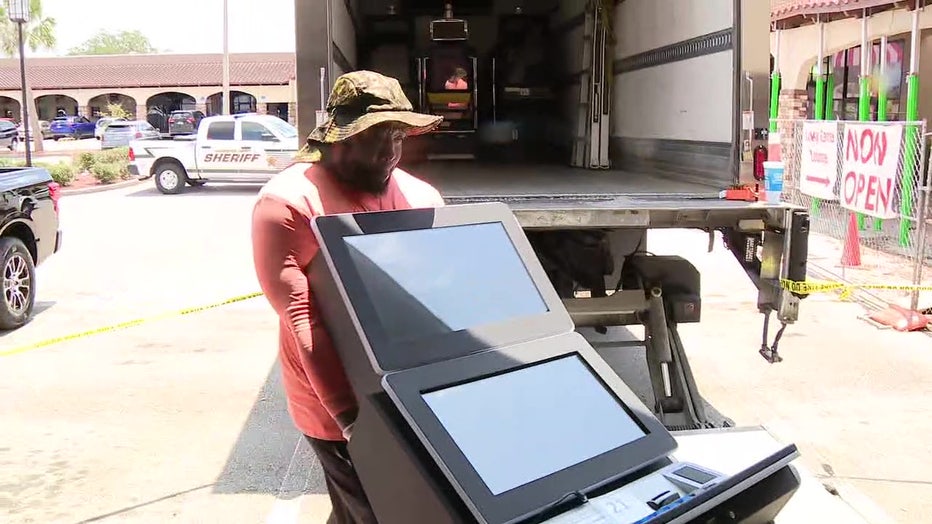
(85, 85)
(837, 24)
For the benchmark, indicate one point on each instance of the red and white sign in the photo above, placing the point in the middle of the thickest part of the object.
(869, 169)
(818, 169)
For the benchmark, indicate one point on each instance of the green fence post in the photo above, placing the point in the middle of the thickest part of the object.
(882, 100)
(774, 100)
(909, 158)
(912, 141)
(864, 113)
(815, 207)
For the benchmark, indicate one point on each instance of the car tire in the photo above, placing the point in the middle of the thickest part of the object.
(170, 178)
(17, 283)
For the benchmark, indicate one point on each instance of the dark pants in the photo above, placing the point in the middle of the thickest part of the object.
(350, 505)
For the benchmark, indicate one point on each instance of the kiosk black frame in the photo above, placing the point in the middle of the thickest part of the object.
(407, 387)
(386, 355)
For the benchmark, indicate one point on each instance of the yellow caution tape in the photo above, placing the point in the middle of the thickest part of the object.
(124, 325)
(810, 287)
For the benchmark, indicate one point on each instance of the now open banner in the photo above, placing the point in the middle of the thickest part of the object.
(818, 167)
(870, 165)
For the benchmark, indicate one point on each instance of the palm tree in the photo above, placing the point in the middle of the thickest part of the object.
(38, 33)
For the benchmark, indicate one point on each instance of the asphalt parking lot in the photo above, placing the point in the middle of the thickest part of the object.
(182, 419)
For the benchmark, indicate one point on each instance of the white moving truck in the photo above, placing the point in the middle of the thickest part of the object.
(595, 121)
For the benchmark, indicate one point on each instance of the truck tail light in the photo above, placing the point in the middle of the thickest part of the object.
(131, 155)
(55, 194)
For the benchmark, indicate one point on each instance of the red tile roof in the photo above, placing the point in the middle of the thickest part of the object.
(167, 70)
(786, 9)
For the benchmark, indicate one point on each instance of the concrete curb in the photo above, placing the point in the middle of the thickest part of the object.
(100, 188)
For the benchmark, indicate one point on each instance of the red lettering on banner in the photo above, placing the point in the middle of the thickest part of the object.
(848, 187)
(871, 168)
(874, 192)
(869, 148)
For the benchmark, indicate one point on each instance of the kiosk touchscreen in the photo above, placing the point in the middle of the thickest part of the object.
(519, 430)
(405, 288)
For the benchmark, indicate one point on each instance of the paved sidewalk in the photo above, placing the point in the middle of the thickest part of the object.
(855, 399)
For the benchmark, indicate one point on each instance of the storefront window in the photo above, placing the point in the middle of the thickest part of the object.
(846, 67)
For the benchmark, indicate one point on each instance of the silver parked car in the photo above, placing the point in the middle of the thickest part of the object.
(43, 124)
(102, 124)
(120, 133)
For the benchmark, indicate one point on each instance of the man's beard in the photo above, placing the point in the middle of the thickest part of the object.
(367, 179)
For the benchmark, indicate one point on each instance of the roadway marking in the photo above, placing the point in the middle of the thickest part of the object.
(287, 506)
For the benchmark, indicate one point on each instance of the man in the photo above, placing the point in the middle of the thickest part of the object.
(457, 82)
(360, 145)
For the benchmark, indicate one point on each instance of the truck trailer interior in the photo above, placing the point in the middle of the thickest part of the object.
(553, 96)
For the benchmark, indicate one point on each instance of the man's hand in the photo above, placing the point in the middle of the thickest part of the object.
(348, 431)
(347, 420)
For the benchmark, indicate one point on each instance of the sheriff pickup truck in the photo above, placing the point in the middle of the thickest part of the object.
(246, 148)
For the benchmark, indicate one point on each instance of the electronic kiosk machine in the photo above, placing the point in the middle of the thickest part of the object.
(479, 403)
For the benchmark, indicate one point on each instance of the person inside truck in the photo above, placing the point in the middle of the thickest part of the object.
(360, 146)
(457, 81)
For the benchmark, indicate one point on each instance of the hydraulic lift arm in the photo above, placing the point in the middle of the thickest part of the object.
(768, 258)
(660, 292)
(657, 292)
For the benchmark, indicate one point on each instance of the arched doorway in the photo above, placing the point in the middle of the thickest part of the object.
(10, 108)
(50, 106)
(240, 102)
(100, 105)
(171, 101)
(160, 106)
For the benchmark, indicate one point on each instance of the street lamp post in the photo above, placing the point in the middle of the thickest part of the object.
(18, 11)
(226, 60)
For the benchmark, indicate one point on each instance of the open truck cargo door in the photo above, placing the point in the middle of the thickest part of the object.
(325, 48)
(685, 82)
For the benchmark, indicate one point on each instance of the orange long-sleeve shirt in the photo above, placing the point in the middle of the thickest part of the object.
(283, 246)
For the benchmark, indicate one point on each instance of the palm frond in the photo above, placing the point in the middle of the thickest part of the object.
(42, 34)
(35, 9)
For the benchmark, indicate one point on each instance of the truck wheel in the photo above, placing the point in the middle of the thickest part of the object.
(17, 283)
(170, 178)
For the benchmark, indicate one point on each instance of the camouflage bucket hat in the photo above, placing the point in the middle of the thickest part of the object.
(362, 99)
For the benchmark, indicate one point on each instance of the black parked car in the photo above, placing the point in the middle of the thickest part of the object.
(9, 134)
(184, 122)
(28, 235)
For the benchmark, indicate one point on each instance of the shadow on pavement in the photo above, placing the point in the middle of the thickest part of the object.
(271, 456)
(37, 310)
(142, 504)
(209, 189)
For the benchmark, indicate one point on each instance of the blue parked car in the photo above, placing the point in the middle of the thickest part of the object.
(76, 127)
